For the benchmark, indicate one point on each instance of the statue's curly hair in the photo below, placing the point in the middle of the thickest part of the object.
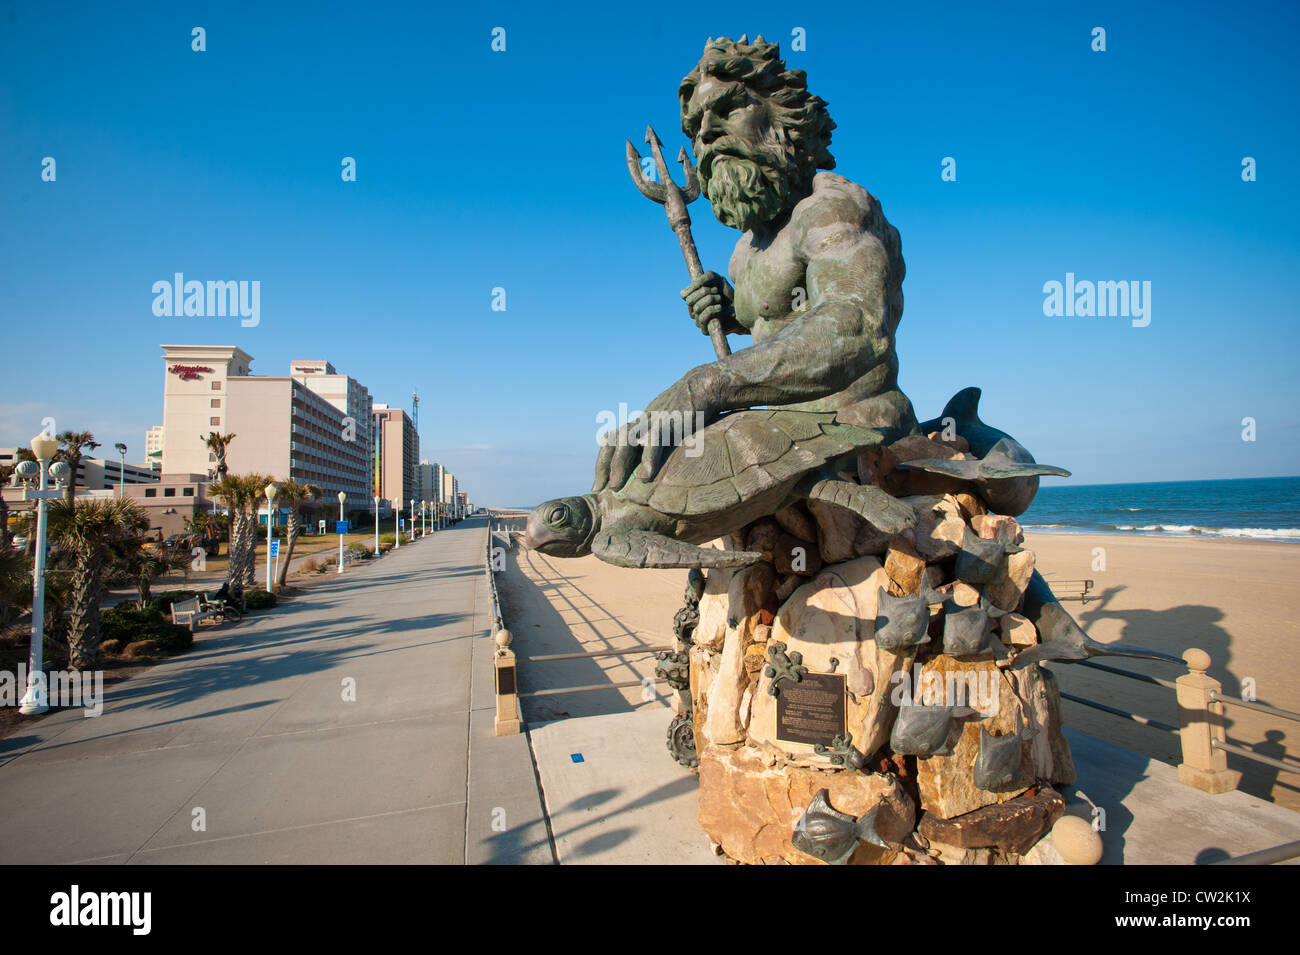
(798, 118)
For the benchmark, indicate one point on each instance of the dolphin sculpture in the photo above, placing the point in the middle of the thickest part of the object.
(1062, 638)
(1006, 473)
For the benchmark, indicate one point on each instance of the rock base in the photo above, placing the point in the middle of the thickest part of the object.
(921, 630)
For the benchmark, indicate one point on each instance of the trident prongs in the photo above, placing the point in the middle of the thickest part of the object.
(692, 191)
(658, 191)
(651, 190)
(674, 199)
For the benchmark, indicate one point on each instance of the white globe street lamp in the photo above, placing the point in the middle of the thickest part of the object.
(397, 521)
(35, 699)
(376, 525)
(271, 491)
(342, 497)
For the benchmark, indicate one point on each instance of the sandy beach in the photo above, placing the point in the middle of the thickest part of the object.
(1239, 600)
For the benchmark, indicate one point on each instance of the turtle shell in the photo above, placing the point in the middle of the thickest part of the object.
(744, 454)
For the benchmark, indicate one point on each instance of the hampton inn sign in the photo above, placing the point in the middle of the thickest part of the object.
(189, 372)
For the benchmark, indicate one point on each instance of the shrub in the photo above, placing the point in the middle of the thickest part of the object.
(358, 551)
(173, 638)
(259, 600)
(128, 623)
(140, 649)
(113, 647)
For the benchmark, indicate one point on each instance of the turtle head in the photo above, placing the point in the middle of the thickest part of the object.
(562, 527)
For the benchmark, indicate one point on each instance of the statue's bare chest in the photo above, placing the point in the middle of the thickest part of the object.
(769, 285)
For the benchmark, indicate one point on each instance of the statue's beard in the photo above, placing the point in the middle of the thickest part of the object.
(751, 189)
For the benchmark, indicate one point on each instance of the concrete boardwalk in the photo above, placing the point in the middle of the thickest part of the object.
(247, 749)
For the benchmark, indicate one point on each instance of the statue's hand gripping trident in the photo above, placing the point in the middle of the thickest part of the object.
(674, 200)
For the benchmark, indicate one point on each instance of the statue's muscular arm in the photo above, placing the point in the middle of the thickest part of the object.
(840, 337)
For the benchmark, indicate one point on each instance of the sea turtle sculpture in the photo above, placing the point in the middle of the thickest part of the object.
(742, 467)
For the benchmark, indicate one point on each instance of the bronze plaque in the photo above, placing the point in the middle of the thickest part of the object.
(505, 680)
(812, 710)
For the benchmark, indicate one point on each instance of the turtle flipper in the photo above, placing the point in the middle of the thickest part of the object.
(637, 548)
(878, 508)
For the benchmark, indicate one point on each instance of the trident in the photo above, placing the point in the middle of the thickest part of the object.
(674, 200)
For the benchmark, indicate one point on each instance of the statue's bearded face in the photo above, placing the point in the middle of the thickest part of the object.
(748, 173)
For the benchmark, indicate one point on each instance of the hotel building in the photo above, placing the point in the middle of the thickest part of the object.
(397, 448)
(284, 426)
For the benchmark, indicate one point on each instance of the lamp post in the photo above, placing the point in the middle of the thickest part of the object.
(121, 471)
(397, 521)
(342, 497)
(412, 520)
(271, 491)
(36, 699)
(376, 525)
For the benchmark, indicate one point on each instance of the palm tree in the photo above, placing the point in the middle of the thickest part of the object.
(83, 536)
(243, 494)
(231, 490)
(6, 474)
(73, 444)
(134, 564)
(217, 444)
(295, 495)
(15, 583)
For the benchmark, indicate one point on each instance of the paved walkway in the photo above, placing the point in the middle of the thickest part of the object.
(249, 750)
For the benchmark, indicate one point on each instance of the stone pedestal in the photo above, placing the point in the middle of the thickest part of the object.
(798, 675)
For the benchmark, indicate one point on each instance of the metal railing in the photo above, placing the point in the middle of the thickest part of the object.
(503, 526)
(589, 655)
(1203, 737)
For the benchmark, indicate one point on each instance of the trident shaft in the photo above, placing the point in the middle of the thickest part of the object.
(674, 200)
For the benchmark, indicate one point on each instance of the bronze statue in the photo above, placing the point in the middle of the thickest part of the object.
(817, 274)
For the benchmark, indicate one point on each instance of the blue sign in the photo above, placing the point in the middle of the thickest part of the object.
(275, 547)
(403, 523)
(341, 526)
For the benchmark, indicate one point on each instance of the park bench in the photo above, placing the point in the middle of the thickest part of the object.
(1080, 590)
(189, 612)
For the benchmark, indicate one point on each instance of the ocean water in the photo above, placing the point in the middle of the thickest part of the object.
(1259, 508)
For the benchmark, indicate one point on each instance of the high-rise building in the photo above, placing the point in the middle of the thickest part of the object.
(283, 427)
(396, 450)
(426, 481)
(153, 447)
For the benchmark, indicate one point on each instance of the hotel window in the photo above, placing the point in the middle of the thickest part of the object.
(216, 402)
(216, 386)
(214, 421)
(169, 492)
(187, 492)
(151, 492)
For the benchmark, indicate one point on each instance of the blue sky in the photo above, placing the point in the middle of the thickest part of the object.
(478, 169)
